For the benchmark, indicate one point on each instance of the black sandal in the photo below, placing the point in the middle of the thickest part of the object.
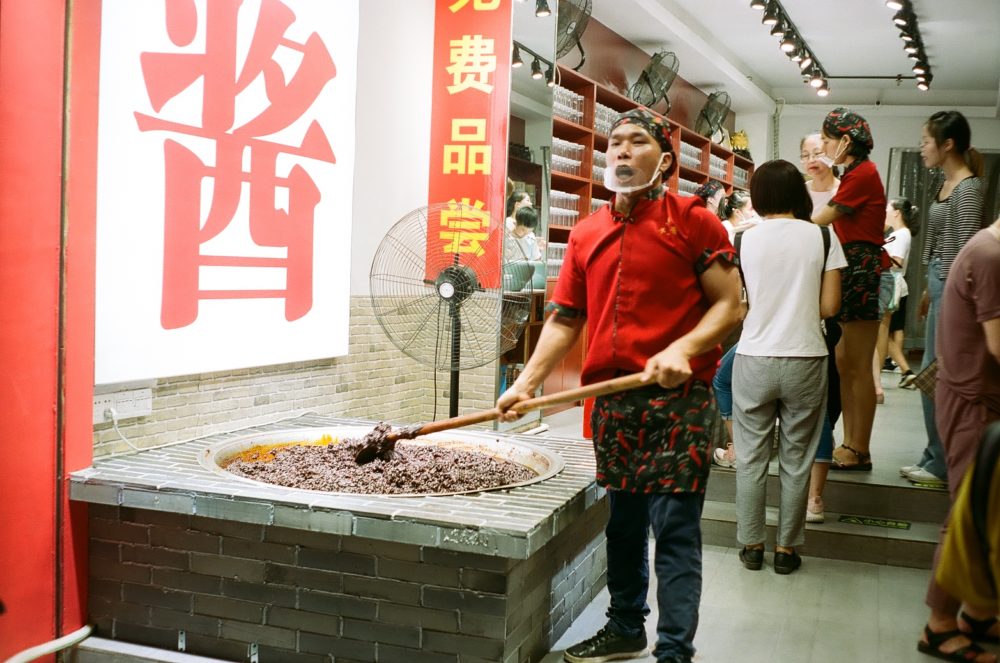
(979, 628)
(864, 463)
(933, 646)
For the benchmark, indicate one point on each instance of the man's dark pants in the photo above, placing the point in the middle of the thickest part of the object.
(676, 522)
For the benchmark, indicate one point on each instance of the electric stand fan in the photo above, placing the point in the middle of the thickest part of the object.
(450, 304)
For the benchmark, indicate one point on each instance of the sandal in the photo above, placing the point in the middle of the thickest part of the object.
(864, 463)
(979, 629)
(933, 646)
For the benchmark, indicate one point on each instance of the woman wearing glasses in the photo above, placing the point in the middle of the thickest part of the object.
(823, 182)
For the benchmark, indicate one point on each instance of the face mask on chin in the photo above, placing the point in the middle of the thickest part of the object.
(619, 178)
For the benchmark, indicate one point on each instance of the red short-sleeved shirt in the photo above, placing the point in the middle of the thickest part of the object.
(860, 191)
(636, 280)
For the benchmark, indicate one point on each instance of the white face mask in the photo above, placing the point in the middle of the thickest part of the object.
(828, 162)
(623, 183)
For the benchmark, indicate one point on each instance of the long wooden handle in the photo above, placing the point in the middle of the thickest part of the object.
(613, 386)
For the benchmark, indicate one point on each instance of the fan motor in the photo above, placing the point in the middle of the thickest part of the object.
(456, 283)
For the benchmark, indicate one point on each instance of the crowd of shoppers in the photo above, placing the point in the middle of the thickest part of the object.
(820, 310)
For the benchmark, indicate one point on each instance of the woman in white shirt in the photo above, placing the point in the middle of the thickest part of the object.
(822, 183)
(780, 370)
(901, 220)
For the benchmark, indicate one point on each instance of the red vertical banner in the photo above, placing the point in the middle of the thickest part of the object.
(470, 109)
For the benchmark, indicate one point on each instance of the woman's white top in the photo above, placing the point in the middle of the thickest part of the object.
(782, 264)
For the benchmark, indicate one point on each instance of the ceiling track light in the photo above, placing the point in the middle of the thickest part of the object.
(920, 68)
(536, 69)
(550, 77)
(789, 42)
(758, 4)
(778, 30)
(824, 90)
(894, 4)
(816, 79)
(807, 59)
(912, 47)
(771, 16)
(542, 8)
(906, 36)
(515, 60)
(901, 18)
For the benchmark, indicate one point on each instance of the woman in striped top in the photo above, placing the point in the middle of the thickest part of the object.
(954, 216)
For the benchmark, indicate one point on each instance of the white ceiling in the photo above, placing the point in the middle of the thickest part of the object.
(722, 44)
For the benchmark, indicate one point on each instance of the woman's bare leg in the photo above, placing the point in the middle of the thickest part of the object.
(857, 391)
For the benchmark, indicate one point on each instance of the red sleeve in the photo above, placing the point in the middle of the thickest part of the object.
(854, 191)
(570, 295)
(708, 239)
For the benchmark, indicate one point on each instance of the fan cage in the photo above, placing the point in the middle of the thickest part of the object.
(572, 21)
(406, 288)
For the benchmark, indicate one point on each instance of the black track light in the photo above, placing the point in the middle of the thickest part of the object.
(778, 30)
(515, 60)
(906, 36)
(536, 69)
(789, 42)
(920, 67)
(823, 90)
(758, 4)
(901, 18)
(542, 8)
(770, 15)
(807, 59)
(894, 4)
(550, 77)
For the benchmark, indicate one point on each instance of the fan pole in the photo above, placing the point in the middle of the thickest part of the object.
(456, 349)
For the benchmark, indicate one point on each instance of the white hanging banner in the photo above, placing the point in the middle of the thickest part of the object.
(224, 184)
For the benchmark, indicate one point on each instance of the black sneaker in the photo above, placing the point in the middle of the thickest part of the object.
(607, 645)
(785, 563)
(752, 558)
(906, 382)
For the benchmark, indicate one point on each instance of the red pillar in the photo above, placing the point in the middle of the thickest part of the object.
(46, 336)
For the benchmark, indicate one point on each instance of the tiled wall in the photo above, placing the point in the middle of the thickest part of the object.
(307, 597)
(374, 381)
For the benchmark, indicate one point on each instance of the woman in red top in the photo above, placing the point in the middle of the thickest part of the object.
(857, 212)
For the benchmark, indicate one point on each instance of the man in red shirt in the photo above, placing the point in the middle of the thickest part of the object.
(652, 276)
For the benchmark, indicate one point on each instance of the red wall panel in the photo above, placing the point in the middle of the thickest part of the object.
(46, 337)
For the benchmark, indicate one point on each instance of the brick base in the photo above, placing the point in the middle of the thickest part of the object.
(307, 597)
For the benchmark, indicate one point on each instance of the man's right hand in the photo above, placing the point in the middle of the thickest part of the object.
(925, 306)
(508, 399)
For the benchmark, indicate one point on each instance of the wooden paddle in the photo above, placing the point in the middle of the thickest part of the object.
(381, 442)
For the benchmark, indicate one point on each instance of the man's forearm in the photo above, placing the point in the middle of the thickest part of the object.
(557, 338)
(714, 327)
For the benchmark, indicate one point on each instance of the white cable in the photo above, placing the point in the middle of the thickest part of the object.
(113, 413)
(52, 646)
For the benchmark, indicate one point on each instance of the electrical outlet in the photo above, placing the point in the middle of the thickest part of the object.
(101, 403)
(127, 404)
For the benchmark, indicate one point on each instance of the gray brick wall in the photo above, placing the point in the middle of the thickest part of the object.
(310, 597)
(374, 381)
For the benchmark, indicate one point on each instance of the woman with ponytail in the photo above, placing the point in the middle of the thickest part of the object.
(954, 216)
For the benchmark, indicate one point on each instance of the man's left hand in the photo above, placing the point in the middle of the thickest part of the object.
(669, 368)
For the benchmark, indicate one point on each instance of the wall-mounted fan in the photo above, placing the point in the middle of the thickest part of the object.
(712, 115)
(655, 80)
(443, 303)
(573, 16)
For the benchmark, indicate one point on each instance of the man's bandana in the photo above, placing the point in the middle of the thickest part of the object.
(843, 122)
(654, 125)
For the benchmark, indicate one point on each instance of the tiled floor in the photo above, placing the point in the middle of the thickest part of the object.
(829, 610)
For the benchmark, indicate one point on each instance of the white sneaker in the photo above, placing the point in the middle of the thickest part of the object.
(906, 469)
(814, 510)
(725, 457)
(923, 477)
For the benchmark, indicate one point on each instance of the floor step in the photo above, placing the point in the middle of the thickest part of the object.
(842, 536)
(103, 650)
